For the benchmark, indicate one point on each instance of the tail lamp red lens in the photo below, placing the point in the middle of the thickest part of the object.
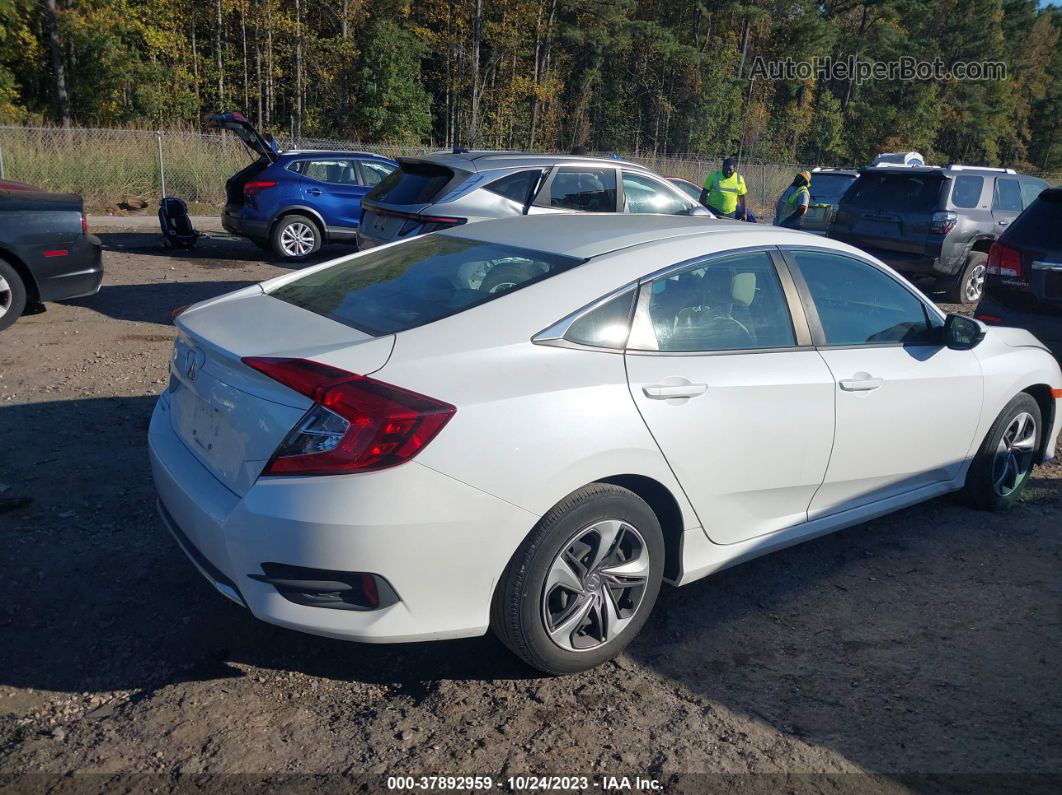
(942, 223)
(357, 424)
(1003, 260)
(84, 224)
(256, 186)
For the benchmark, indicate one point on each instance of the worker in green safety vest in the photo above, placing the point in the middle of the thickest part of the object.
(794, 202)
(724, 192)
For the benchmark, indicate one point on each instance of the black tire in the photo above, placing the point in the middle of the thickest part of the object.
(982, 489)
(12, 297)
(292, 228)
(967, 286)
(519, 610)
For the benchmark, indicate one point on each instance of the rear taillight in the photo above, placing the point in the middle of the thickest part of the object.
(84, 224)
(1003, 260)
(430, 223)
(254, 187)
(942, 223)
(992, 320)
(357, 424)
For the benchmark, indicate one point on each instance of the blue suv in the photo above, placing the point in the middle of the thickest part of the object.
(291, 203)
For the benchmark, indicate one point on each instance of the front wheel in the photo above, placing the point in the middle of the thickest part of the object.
(295, 237)
(1002, 466)
(583, 583)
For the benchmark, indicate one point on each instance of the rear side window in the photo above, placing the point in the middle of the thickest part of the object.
(1039, 228)
(967, 190)
(828, 188)
(412, 183)
(607, 326)
(729, 304)
(374, 171)
(516, 186)
(585, 189)
(1030, 189)
(423, 280)
(334, 172)
(895, 192)
(859, 304)
(1007, 196)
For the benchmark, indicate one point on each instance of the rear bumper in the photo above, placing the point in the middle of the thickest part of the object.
(1045, 327)
(926, 263)
(440, 544)
(77, 273)
(232, 221)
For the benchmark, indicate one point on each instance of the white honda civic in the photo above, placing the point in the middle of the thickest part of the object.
(529, 424)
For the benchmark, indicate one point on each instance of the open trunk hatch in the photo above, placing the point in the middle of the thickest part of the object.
(239, 124)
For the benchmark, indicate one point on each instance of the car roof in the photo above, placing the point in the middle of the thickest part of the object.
(490, 160)
(587, 235)
(844, 172)
(332, 153)
(953, 170)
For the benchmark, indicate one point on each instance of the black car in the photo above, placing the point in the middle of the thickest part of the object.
(1023, 286)
(46, 253)
(827, 187)
(933, 221)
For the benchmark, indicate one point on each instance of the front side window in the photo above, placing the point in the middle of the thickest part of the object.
(591, 190)
(735, 303)
(1008, 196)
(423, 280)
(334, 172)
(967, 190)
(644, 195)
(861, 305)
(374, 171)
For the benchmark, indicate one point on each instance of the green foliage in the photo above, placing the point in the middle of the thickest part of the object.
(392, 105)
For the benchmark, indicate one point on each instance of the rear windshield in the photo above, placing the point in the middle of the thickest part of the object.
(1040, 226)
(827, 188)
(412, 183)
(420, 281)
(895, 192)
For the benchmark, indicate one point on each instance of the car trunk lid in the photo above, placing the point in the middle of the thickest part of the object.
(396, 207)
(232, 417)
(239, 124)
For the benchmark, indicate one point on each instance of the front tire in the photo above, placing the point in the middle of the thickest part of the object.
(12, 295)
(295, 237)
(969, 284)
(583, 583)
(1001, 468)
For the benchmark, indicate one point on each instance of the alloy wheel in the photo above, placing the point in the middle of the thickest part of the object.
(1014, 454)
(595, 586)
(7, 295)
(297, 239)
(975, 285)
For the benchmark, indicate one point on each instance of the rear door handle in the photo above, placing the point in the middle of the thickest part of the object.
(669, 391)
(862, 382)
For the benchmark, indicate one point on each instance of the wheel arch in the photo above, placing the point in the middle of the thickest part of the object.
(308, 212)
(33, 292)
(1041, 393)
(667, 510)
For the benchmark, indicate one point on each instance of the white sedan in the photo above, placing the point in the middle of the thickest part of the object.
(529, 424)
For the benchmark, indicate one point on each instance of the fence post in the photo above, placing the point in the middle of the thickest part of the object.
(162, 166)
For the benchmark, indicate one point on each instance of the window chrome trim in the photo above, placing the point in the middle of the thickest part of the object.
(554, 334)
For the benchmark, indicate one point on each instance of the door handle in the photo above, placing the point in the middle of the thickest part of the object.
(669, 391)
(314, 191)
(1003, 222)
(861, 382)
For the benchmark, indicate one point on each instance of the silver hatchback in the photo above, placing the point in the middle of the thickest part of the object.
(444, 190)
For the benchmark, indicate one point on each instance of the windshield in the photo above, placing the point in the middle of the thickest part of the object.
(895, 192)
(827, 188)
(417, 282)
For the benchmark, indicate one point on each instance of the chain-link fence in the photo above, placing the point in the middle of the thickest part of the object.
(108, 167)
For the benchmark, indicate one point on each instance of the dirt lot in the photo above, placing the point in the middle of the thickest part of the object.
(924, 644)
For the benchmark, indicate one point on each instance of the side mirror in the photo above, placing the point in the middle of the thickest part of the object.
(962, 333)
(700, 210)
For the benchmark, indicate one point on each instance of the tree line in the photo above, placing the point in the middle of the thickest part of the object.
(659, 76)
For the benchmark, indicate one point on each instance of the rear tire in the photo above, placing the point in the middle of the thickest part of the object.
(295, 237)
(969, 284)
(583, 583)
(1004, 462)
(12, 295)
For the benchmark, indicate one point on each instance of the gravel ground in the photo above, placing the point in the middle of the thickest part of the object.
(922, 644)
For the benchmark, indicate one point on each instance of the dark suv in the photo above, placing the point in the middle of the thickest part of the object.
(933, 221)
(1024, 283)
